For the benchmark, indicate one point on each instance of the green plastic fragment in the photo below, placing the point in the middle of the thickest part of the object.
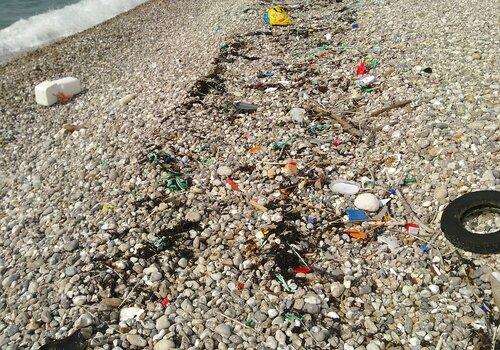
(373, 64)
(292, 317)
(367, 89)
(409, 179)
(250, 324)
(281, 279)
(175, 182)
(280, 145)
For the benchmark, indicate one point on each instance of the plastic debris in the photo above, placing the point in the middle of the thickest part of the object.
(356, 214)
(277, 16)
(366, 81)
(409, 179)
(312, 220)
(49, 92)
(240, 285)
(291, 167)
(355, 26)
(425, 248)
(268, 74)
(245, 107)
(344, 187)
(373, 64)
(250, 324)
(280, 145)
(107, 208)
(412, 228)
(160, 157)
(285, 286)
(495, 287)
(292, 317)
(356, 234)
(231, 184)
(302, 269)
(337, 142)
(361, 68)
(255, 149)
(129, 313)
(392, 243)
(165, 302)
(175, 182)
(392, 191)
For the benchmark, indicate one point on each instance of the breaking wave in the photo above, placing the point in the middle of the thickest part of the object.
(35, 31)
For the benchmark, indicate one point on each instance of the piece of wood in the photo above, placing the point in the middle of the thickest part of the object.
(346, 126)
(398, 104)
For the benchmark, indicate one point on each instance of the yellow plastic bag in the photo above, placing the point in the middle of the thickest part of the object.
(278, 16)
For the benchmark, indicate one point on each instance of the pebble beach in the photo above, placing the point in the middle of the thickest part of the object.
(195, 194)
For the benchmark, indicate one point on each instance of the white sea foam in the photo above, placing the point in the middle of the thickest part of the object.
(27, 34)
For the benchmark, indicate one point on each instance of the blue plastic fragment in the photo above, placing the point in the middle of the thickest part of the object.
(485, 308)
(268, 74)
(356, 214)
(425, 248)
(265, 18)
(354, 26)
(392, 191)
(312, 220)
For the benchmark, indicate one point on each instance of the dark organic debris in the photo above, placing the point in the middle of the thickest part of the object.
(75, 341)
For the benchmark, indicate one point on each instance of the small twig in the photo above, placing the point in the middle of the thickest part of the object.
(310, 333)
(398, 104)
(312, 206)
(412, 213)
(130, 293)
(494, 338)
(301, 259)
(234, 320)
(347, 126)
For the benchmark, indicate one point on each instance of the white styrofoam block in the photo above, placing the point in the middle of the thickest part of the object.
(46, 93)
(69, 86)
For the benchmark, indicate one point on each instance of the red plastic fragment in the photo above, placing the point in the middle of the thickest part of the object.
(240, 285)
(337, 142)
(302, 269)
(232, 184)
(411, 227)
(165, 302)
(361, 68)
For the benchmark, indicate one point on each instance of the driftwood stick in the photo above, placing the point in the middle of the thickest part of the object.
(347, 126)
(398, 104)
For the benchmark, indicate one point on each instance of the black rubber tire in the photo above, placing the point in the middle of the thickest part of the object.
(454, 230)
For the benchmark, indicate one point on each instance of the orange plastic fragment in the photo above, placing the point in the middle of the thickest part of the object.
(354, 233)
(291, 167)
(255, 149)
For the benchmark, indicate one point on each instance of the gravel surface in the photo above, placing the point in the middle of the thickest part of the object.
(198, 199)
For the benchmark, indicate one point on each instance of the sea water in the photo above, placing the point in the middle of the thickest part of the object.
(27, 24)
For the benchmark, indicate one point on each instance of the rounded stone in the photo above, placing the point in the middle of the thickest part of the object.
(164, 344)
(367, 201)
(224, 330)
(224, 171)
(136, 340)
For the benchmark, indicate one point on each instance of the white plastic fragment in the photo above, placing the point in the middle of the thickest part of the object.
(46, 93)
(392, 243)
(366, 81)
(128, 313)
(495, 287)
(344, 187)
